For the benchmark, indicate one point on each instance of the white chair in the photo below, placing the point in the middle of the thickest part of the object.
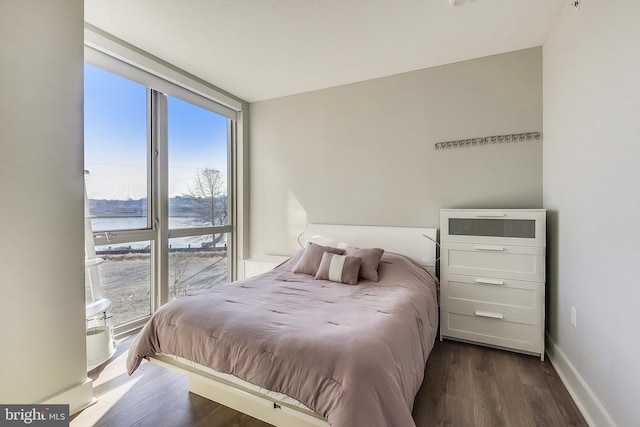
(100, 343)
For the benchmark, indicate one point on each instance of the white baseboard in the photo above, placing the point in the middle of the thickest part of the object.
(77, 397)
(592, 410)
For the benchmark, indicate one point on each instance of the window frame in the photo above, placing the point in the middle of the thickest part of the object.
(162, 80)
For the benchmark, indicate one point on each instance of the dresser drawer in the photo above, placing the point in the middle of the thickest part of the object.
(491, 294)
(499, 261)
(493, 328)
(511, 227)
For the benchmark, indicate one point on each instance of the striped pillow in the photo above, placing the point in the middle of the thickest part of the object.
(339, 268)
(311, 258)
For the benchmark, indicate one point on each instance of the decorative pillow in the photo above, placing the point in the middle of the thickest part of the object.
(370, 260)
(311, 257)
(339, 268)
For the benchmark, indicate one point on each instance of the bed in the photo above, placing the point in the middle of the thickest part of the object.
(293, 350)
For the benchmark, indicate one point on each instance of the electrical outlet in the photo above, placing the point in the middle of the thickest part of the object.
(573, 316)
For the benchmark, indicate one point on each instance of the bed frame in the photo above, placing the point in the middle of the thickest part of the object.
(416, 243)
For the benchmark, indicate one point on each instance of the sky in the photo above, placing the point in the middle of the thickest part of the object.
(115, 139)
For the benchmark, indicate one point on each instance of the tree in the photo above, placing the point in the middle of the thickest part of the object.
(208, 199)
(179, 265)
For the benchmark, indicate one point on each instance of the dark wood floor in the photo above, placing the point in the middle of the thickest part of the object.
(465, 385)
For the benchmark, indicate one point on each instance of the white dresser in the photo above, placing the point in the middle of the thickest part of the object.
(492, 275)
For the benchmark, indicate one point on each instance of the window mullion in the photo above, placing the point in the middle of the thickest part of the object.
(197, 231)
(231, 200)
(161, 222)
(101, 238)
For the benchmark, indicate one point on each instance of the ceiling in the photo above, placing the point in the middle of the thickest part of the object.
(263, 49)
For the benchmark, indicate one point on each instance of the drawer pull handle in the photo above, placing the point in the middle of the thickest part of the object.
(490, 215)
(489, 281)
(489, 248)
(489, 314)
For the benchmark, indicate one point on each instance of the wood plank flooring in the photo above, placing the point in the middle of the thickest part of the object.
(464, 385)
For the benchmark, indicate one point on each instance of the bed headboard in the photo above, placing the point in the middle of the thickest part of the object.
(408, 241)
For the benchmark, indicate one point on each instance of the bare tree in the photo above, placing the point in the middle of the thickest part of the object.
(179, 263)
(209, 201)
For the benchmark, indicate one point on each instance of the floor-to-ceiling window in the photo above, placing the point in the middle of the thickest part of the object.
(158, 177)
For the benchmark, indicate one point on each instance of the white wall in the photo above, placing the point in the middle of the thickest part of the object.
(364, 153)
(42, 328)
(592, 187)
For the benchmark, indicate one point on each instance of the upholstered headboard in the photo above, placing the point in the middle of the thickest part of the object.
(417, 243)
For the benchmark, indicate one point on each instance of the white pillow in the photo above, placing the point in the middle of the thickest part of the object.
(321, 240)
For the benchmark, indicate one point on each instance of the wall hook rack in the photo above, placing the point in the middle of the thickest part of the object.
(499, 139)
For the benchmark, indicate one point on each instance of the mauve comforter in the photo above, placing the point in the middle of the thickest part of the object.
(353, 354)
